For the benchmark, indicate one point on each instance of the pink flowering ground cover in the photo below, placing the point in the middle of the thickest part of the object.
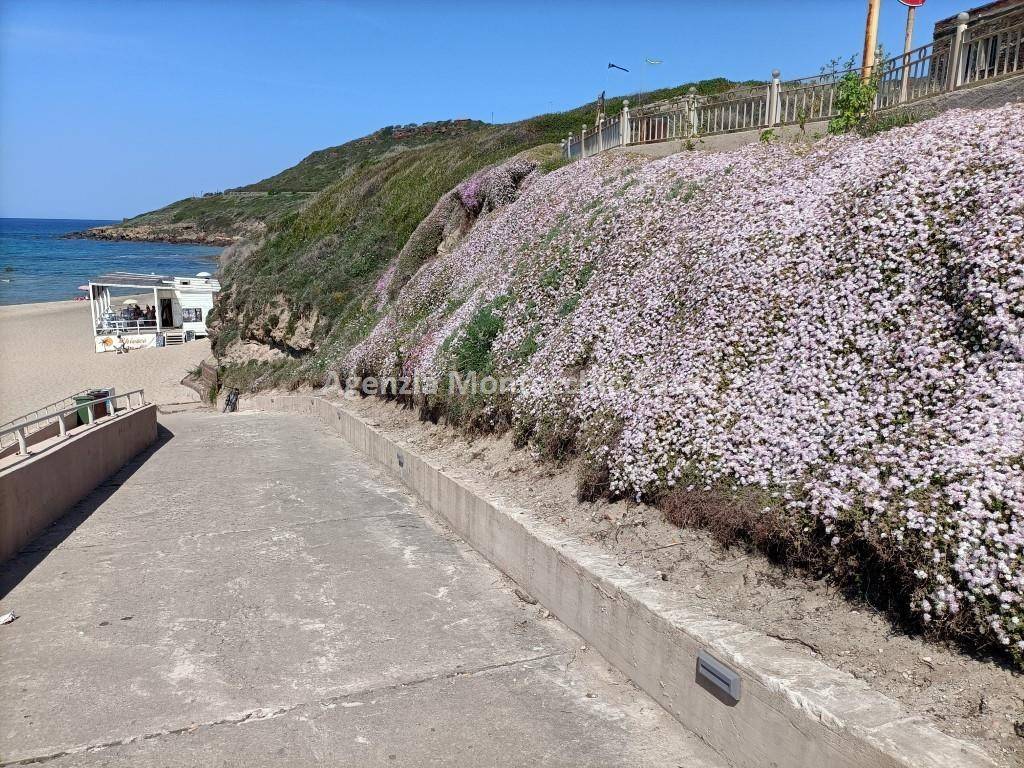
(837, 329)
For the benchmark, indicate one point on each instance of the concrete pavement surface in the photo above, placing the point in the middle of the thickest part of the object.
(251, 592)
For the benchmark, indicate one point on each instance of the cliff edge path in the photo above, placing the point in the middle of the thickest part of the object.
(251, 592)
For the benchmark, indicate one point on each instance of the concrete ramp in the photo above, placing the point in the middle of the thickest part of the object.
(254, 593)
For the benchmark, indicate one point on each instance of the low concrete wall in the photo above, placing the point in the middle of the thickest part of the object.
(983, 95)
(794, 712)
(723, 142)
(38, 489)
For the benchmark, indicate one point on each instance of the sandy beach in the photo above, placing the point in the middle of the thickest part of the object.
(46, 353)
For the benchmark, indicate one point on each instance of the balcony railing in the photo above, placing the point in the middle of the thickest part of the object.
(114, 325)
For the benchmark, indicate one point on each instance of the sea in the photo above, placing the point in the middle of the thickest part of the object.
(38, 264)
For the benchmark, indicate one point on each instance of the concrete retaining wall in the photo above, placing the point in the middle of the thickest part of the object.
(208, 379)
(794, 712)
(38, 489)
(723, 142)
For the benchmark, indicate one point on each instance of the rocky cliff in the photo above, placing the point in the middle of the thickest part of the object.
(169, 233)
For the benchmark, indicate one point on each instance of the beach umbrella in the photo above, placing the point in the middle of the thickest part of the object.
(83, 287)
(129, 301)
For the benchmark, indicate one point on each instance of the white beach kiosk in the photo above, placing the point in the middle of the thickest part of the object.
(181, 308)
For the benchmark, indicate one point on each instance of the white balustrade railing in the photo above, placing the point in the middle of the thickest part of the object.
(572, 148)
(807, 102)
(592, 143)
(23, 426)
(964, 58)
(738, 110)
(650, 127)
(611, 132)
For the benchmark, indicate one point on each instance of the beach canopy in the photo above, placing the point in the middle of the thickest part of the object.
(83, 287)
(129, 301)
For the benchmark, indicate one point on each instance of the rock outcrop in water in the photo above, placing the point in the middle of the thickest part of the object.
(182, 233)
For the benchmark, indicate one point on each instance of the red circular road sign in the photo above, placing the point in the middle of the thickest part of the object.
(913, 3)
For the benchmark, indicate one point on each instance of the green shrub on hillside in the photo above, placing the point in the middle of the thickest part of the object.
(472, 354)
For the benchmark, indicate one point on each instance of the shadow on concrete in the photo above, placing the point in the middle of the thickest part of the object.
(21, 565)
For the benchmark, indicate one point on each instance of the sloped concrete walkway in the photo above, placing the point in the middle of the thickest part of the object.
(250, 592)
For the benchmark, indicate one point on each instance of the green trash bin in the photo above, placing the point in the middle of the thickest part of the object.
(83, 410)
(98, 409)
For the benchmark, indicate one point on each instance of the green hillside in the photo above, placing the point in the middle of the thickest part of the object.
(302, 289)
(242, 211)
(231, 213)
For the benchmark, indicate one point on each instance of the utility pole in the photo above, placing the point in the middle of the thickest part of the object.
(908, 37)
(870, 39)
(908, 46)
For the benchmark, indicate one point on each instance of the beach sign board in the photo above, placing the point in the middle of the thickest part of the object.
(113, 343)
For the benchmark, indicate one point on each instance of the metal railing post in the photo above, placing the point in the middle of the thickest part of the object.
(773, 99)
(624, 123)
(62, 420)
(22, 443)
(90, 414)
(956, 52)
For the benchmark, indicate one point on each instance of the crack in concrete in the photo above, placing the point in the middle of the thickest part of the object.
(270, 713)
(208, 534)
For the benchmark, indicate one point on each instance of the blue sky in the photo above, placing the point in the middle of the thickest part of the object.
(108, 109)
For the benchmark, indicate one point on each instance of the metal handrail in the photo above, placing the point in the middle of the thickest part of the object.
(62, 415)
(914, 75)
(41, 409)
(45, 411)
(822, 78)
